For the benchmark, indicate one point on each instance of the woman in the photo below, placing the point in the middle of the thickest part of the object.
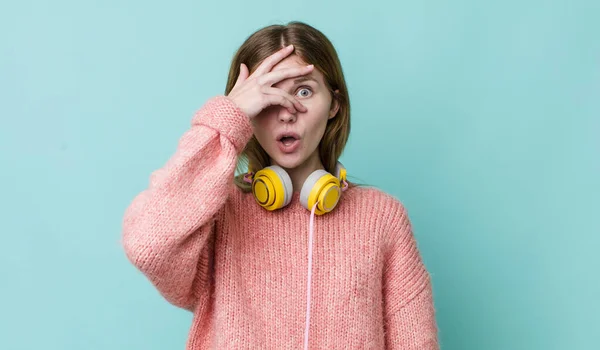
(245, 253)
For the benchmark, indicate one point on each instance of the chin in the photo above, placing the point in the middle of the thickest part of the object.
(288, 161)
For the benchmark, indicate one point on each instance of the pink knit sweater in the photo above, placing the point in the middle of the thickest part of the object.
(242, 270)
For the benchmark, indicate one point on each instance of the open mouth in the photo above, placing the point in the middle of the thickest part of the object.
(288, 138)
(288, 142)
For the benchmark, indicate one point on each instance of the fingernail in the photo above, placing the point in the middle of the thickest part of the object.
(310, 66)
(289, 46)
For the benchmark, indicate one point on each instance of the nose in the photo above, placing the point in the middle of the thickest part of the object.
(285, 116)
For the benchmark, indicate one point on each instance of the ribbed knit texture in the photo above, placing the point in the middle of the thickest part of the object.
(242, 270)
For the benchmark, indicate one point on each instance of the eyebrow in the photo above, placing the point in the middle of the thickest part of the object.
(305, 78)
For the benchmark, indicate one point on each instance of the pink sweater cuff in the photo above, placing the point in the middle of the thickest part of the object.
(223, 115)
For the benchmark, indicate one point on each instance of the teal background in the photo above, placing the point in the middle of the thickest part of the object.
(482, 117)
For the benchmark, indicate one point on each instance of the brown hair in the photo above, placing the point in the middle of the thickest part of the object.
(313, 47)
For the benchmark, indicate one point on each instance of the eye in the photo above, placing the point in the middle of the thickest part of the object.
(304, 91)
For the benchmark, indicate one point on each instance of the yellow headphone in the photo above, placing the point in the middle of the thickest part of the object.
(272, 188)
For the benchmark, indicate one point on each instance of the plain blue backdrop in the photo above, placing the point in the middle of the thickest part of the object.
(482, 117)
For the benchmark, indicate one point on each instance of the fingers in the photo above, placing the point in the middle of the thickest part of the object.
(243, 74)
(292, 104)
(272, 60)
(279, 75)
(278, 100)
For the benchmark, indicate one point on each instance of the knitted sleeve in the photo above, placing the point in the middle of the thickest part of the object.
(409, 314)
(168, 227)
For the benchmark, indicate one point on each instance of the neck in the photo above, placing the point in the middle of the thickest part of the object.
(301, 172)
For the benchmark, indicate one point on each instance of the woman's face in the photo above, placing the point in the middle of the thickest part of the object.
(304, 128)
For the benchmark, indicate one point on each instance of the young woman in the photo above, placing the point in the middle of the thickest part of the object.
(245, 253)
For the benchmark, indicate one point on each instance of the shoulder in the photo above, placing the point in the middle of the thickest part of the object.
(375, 199)
(391, 219)
(386, 212)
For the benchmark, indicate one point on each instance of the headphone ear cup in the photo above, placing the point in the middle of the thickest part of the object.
(286, 180)
(272, 188)
(323, 188)
(340, 172)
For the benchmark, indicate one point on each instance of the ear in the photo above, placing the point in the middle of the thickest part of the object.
(335, 105)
